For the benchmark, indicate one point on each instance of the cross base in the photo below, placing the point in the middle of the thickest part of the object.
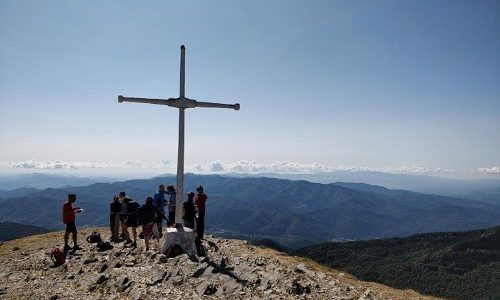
(181, 236)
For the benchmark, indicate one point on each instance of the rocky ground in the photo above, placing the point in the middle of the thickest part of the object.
(232, 269)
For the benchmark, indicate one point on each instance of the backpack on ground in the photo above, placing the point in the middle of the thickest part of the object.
(94, 237)
(173, 251)
(104, 246)
(57, 257)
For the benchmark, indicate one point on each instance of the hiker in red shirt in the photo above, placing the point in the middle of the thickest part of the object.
(199, 201)
(68, 215)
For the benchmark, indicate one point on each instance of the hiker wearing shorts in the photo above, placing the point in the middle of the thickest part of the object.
(132, 220)
(148, 215)
(68, 215)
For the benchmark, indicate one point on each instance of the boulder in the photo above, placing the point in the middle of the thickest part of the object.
(301, 268)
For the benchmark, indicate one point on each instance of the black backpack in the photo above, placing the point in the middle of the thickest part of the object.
(104, 246)
(94, 237)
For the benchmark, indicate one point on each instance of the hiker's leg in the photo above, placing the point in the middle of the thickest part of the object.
(134, 233)
(66, 236)
(146, 240)
(159, 227)
(116, 228)
(124, 227)
(127, 235)
(200, 225)
(112, 226)
(75, 240)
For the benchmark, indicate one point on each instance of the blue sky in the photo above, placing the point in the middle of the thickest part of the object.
(385, 85)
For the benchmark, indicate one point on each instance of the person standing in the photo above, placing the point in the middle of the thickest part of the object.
(189, 211)
(200, 200)
(123, 214)
(114, 218)
(160, 200)
(68, 215)
(132, 220)
(171, 204)
(148, 214)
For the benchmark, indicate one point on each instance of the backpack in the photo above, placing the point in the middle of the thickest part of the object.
(104, 246)
(174, 251)
(57, 257)
(95, 237)
(140, 216)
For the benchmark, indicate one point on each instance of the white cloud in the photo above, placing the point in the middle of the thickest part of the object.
(492, 170)
(245, 166)
(60, 165)
(198, 168)
(216, 166)
(284, 167)
(56, 164)
(418, 169)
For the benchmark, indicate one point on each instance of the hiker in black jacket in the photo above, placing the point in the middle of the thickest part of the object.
(189, 211)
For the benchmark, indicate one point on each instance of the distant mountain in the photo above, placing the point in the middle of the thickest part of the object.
(478, 189)
(41, 181)
(490, 195)
(12, 231)
(295, 213)
(18, 192)
(456, 265)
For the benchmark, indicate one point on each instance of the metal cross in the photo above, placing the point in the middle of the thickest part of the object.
(181, 103)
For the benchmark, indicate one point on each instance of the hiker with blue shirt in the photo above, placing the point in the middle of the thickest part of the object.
(160, 200)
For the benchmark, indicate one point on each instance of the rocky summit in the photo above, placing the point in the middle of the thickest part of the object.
(232, 269)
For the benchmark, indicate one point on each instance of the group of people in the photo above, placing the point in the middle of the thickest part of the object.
(126, 213)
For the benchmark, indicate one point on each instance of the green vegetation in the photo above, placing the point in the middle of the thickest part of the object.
(456, 265)
(12, 231)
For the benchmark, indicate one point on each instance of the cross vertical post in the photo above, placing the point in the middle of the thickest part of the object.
(180, 152)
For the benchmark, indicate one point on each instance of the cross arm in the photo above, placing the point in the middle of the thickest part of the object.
(235, 106)
(168, 102)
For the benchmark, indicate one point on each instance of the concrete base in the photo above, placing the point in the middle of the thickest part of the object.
(182, 236)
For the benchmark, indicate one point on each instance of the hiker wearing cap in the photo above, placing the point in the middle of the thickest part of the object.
(148, 214)
(199, 201)
(160, 200)
(189, 211)
(68, 215)
(171, 205)
(114, 218)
